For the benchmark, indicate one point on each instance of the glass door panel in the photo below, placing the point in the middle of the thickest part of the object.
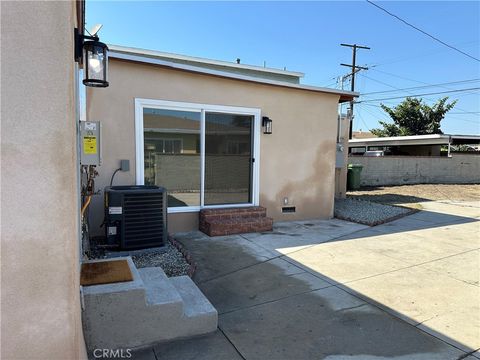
(172, 154)
(228, 159)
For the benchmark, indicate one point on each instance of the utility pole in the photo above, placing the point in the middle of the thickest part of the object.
(355, 69)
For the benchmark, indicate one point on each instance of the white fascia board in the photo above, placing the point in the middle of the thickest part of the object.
(153, 53)
(401, 140)
(148, 60)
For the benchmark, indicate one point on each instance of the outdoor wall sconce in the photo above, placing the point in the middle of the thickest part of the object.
(95, 59)
(267, 125)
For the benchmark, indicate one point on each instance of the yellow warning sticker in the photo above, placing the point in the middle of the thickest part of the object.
(90, 145)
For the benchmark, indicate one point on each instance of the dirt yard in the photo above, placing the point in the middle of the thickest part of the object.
(411, 195)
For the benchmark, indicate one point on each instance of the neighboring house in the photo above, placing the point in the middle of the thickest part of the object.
(417, 159)
(362, 135)
(194, 126)
(39, 174)
(417, 145)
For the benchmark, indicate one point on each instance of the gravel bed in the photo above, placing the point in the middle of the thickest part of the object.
(366, 212)
(168, 258)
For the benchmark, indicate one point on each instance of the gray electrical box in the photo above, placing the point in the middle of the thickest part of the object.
(340, 156)
(90, 143)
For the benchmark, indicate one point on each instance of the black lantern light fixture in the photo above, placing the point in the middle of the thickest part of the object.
(267, 125)
(95, 59)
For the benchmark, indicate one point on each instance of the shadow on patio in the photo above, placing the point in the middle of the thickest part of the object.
(332, 289)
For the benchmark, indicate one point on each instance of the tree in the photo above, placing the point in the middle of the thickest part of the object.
(413, 117)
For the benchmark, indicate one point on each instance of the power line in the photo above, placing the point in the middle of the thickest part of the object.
(423, 32)
(418, 87)
(402, 97)
(465, 112)
(420, 82)
(446, 118)
(453, 113)
(363, 121)
(405, 58)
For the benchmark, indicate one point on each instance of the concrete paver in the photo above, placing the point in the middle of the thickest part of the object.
(464, 236)
(141, 354)
(412, 248)
(212, 346)
(405, 225)
(223, 254)
(246, 288)
(288, 237)
(344, 261)
(307, 326)
(419, 295)
(465, 208)
(464, 267)
(336, 290)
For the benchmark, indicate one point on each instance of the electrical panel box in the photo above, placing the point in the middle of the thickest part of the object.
(340, 156)
(90, 143)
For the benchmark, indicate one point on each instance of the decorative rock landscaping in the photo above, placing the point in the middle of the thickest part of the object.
(368, 213)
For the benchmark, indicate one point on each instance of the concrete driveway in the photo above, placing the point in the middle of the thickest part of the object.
(332, 289)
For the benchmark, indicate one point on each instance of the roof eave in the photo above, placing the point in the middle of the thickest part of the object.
(344, 95)
(159, 54)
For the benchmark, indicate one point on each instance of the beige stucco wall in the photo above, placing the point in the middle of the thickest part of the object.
(39, 251)
(297, 161)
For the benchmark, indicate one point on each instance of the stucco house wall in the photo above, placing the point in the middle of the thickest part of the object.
(296, 161)
(40, 292)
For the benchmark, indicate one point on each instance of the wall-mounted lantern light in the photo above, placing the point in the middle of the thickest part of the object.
(95, 59)
(267, 125)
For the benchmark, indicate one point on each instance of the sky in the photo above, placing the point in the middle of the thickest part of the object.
(306, 37)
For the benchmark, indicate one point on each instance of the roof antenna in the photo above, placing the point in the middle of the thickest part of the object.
(238, 60)
(95, 29)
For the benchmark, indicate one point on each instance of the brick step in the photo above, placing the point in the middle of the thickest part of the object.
(229, 213)
(236, 225)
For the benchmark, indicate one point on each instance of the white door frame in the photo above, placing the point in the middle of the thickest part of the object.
(141, 103)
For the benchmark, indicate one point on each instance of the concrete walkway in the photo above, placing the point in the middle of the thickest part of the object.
(333, 290)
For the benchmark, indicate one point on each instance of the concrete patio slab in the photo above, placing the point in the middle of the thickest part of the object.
(460, 330)
(412, 248)
(465, 236)
(344, 261)
(213, 346)
(291, 236)
(435, 217)
(467, 209)
(223, 254)
(307, 327)
(404, 225)
(245, 288)
(142, 354)
(402, 290)
(332, 227)
(418, 295)
(464, 267)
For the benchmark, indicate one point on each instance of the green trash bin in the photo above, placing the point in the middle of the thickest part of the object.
(353, 176)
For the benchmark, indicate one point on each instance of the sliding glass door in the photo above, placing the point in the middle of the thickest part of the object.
(228, 159)
(204, 155)
(172, 154)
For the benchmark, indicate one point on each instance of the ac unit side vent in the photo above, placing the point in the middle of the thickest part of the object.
(143, 220)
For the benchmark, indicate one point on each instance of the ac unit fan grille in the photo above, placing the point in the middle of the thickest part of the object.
(143, 220)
